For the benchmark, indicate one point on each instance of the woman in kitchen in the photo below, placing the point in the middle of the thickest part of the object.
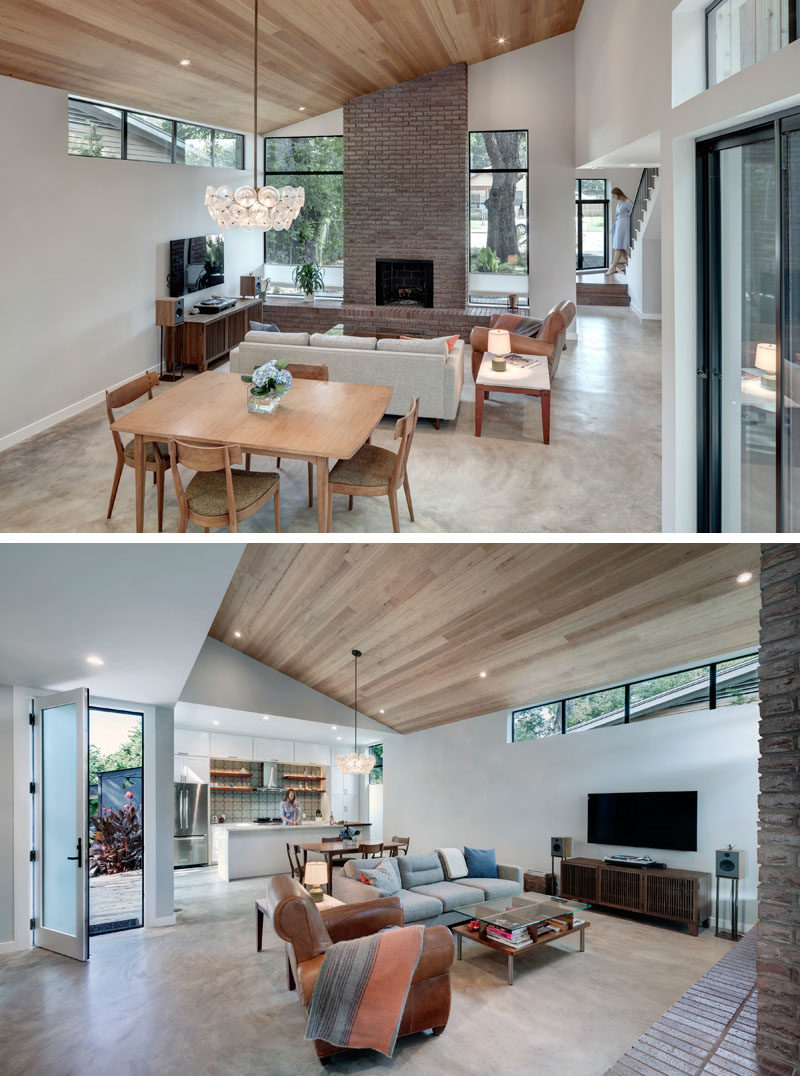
(290, 811)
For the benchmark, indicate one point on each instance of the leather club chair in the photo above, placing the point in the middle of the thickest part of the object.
(309, 932)
(549, 343)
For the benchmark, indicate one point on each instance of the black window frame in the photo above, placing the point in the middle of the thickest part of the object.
(156, 116)
(710, 54)
(580, 201)
(299, 171)
(482, 171)
(711, 666)
(709, 318)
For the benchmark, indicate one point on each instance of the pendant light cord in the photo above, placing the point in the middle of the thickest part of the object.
(355, 704)
(255, 97)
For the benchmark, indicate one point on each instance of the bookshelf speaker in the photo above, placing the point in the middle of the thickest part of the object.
(169, 312)
(561, 847)
(730, 863)
(249, 287)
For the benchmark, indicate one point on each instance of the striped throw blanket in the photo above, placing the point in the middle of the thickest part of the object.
(361, 990)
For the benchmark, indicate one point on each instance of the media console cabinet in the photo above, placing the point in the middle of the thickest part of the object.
(682, 896)
(201, 338)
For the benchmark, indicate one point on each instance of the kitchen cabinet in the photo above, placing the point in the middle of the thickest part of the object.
(345, 783)
(223, 745)
(347, 807)
(312, 754)
(265, 750)
(191, 742)
(215, 836)
(198, 766)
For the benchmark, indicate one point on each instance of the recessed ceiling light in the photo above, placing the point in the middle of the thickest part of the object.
(501, 41)
(302, 108)
(237, 634)
(338, 737)
(93, 659)
(215, 722)
(265, 716)
(184, 62)
(484, 675)
(381, 711)
(745, 577)
(334, 728)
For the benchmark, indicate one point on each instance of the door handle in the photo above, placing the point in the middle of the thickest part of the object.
(78, 856)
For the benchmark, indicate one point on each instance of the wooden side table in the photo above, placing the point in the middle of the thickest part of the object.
(531, 380)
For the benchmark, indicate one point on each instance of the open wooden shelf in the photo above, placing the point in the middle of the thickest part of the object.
(303, 777)
(232, 788)
(230, 773)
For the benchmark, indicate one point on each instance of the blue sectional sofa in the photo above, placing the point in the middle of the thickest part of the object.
(425, 893)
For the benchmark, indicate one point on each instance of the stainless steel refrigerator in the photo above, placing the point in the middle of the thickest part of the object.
(191, 824)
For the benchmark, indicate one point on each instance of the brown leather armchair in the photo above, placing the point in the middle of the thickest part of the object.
(549, 343)
(309, 932)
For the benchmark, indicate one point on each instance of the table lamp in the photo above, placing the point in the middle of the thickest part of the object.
(499, 346)
(315, 876)
(766, 361)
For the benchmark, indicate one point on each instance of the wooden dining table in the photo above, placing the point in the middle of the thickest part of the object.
(316, 421)
(329, 849)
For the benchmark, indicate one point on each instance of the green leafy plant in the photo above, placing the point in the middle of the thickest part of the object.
(117, 841)
(485, 261)
(308, 277)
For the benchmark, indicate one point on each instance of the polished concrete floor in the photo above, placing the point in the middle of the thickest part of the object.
(197, 998)
(600, 473)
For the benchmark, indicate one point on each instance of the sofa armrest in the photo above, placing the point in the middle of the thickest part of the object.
(512, 874)
(453, 380)
(351, 891)
(437, 954)
(363, 918)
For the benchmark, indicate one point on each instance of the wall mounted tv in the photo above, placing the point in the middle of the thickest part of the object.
(195, 264)
(644, 819)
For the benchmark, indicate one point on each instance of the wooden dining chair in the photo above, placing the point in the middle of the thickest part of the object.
(377, 472)
(403, 843)
(293, 865)
(305, 372)
(299, 865)
(218, 495)
(337, 861)
(156, 455)
(371, 851)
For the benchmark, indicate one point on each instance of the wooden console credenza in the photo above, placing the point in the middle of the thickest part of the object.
(205, 337)
(683, 896)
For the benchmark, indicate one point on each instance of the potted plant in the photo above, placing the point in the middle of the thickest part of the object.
(308, 277)
(268, 383)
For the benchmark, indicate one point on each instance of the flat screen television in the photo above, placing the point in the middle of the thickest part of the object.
(195, 264)
(644, 819)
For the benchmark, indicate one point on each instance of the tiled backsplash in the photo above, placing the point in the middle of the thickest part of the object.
(248, 806)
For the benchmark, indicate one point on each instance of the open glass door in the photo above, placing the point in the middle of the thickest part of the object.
(62, 725)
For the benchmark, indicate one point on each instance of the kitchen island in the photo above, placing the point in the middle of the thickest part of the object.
(255, 849)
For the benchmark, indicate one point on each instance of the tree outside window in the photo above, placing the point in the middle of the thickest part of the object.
(498, 202)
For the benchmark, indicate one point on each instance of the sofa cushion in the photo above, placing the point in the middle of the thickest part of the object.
(451, 894)
(416, 347)
(263, 327)
(418, 906)
(349, 343)
(382, 877)
(354, 867)
(493, 887)
(293, 339)
(481, 862)
(453, 862)
(420, 869)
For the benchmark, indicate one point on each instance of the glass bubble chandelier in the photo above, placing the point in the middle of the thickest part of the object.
(355, 762)
(268, 208)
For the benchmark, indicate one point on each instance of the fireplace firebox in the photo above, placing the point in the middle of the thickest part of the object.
(403, 282)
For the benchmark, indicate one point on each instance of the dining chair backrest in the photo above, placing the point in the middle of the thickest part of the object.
(204, 458)
(298, 862)
(403, 842)
(404, 432)
(307, 372)
(127, 394)
(292, 862)
(330, 840)
(371, 851)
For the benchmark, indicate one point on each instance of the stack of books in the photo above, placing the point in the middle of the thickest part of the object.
(516, 937)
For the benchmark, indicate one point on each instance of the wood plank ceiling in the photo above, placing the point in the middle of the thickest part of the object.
(541, 620)
(313, 53)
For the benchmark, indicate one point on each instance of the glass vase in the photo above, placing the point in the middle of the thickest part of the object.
(263, 404)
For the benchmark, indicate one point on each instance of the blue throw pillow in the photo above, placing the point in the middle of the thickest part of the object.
(481, 862)
(382, 877)
(263, 327)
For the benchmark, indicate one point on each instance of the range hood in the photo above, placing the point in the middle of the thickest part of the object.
(271, 776)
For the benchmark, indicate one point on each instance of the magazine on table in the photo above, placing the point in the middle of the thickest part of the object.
(524, 362)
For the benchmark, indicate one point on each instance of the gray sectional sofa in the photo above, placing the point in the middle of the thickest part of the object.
(424, 891)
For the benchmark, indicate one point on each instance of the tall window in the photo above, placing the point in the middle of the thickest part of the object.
(316, 164)
(742, 32)
(498, 205)
(591, 223)
(96, 130)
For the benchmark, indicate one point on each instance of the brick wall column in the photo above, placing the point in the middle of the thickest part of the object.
(778, 1042)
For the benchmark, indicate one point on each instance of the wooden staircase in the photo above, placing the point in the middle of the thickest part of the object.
(602, 293)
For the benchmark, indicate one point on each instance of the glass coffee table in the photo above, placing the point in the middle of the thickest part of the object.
(517, 925)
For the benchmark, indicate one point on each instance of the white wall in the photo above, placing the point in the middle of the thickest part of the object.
(6, 815)
(85, 255)
(465, 784)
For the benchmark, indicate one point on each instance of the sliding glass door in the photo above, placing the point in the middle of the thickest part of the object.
(747, 369)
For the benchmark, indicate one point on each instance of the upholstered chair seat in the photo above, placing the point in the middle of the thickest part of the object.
(149, 454)
(207, 492)
(371, 466)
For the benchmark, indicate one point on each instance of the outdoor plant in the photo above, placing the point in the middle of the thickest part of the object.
(117, 840)
(485, 261)
(272, 377)
(308, 277)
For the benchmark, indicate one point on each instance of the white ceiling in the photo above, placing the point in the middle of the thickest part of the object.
(644, 153)
(145, 609)
(191, 715)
